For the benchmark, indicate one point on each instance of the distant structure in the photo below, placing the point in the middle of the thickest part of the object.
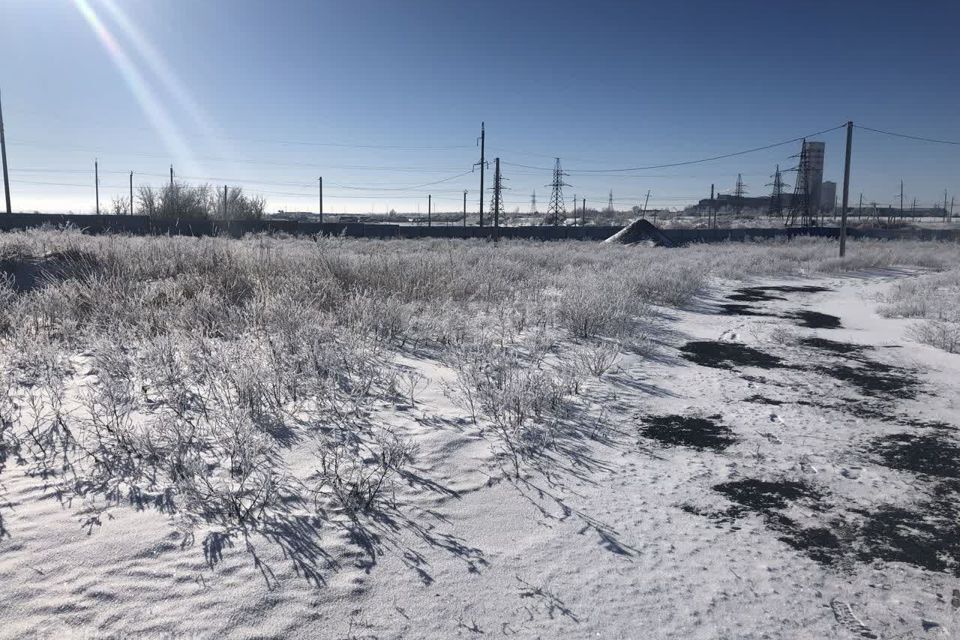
(738, 192)
(806, 191)
(557, 208)
(815, 151)
(533, 203)
(828, 196)
(610, 202)
(776, 196)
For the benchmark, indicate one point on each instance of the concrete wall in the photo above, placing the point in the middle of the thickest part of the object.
(141, 225)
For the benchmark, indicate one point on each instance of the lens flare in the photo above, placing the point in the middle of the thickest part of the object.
(158, 116)
(157, 64)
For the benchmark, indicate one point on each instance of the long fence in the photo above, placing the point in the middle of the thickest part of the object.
(143, 225)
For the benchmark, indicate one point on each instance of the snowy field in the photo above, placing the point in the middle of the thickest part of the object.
(287, 438)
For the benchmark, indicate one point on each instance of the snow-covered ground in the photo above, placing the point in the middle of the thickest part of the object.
(816, 497)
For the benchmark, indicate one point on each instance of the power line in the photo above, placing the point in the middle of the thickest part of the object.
(689, 162)
(907, 136)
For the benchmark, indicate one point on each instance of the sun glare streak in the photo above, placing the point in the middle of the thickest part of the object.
(160, 120)
(158, 65)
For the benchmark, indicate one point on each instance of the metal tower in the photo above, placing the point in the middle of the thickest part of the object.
(776, 196)
(610, 202)
(533, 203)
(557, 208)
(496, 207)
(738, 192)
(802, 212)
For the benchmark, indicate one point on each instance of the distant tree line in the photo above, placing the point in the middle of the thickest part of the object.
(181, 201)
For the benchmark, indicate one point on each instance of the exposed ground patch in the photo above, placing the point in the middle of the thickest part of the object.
(833, 346)
(927, 536)
(761, 294)
(875, 379)
(696, 433)
(758, 399)
(766, 496)
(742, 310)
(727, 355)
(926, 454)
(815, 320)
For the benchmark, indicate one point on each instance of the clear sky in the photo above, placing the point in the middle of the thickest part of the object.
(381, 97)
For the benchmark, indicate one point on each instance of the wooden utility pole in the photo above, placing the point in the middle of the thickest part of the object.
(483, 164)
(131, 193)
(583, 210)
(944, 205)
(464, 208)
(320, 181)
(224, 202)
(574, 209)
(3, 154)
(96, 183)
(429, 212)
(171, 175)
(860, 208)
(846, 190)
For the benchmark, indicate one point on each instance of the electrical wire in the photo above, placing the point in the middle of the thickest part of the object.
(907, 136)
(686, 162)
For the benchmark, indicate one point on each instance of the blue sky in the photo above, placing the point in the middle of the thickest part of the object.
(381, 97)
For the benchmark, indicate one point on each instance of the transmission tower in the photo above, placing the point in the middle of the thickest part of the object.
(801, 209)
(533, 203)
(496, 206)
(557, 208)
(776, 196)
(738, 192)
(610, 202)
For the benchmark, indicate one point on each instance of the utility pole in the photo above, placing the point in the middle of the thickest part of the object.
(646, 201)
(483, 165)
(320, 180)
(846, 190)
(860, 208)
(944, 205)
(131, 193)
(429, 213)
(224, 202)
(3, 154)
(901, 199)
(575, 209)
(557, 207)
(96, 183)
(171, 175)
(713, 208)
(583, 211)
(464, 208)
